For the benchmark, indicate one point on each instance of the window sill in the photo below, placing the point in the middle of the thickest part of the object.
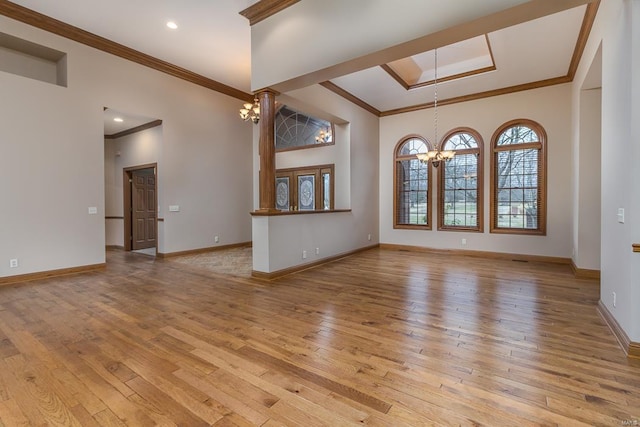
(282, 213)
(412, 227)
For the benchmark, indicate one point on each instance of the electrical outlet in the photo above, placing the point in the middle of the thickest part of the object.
(13, 263)
(216, 239)
(304, 254)
(614, 299)
(317, 251)
(463, 242)
(369, 236)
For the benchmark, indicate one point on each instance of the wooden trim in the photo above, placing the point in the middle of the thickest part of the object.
(264, 9)
(140, 128)
(119, 247)
(51, 273)
(350, 97)
(408, 86)
(478, 254)
(267, 151)
(632, 349)
(541, 230)
(396, 76)
(635, 247)
(397, 158)
(315, 170)
(583, 273)
(480, 95)
(583, 36)
(160, 219)
(302, 267)
(479, 152)
(281, 213)
(46, 23)
(113, 217)
(203, 250)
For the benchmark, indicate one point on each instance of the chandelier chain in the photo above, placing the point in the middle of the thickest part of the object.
(435, 98)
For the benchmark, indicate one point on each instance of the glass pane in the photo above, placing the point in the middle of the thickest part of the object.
(412, 147)
(306, 192)
(461, 190)
(282, 193)
(295, 129)
(518, 188)
(518, 135)
(326, 191)
(412, 189)
(461, 141)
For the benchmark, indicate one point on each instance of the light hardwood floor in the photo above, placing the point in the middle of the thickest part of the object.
(382, 338)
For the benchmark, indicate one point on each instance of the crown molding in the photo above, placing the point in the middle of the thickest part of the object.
(140, 128)
(264, 9)
(583, 36)
(46, 23)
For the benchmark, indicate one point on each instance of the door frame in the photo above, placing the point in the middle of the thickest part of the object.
(127, 174)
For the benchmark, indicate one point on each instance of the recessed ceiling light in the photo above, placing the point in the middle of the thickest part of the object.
(118, 119)
(172, 25)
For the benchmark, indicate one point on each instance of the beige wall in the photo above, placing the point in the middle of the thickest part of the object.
(278, 241)
(52, 153)
(548, 106)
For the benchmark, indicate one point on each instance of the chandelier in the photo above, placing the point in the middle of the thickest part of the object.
(324, 136)
(435, 156)
(251, 111)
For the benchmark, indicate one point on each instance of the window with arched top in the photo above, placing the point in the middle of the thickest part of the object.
(460, 182)
(518, 178)
(412, 198)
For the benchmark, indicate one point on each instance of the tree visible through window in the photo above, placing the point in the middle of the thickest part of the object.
(518, 179)
(412, 200)
(460, 203)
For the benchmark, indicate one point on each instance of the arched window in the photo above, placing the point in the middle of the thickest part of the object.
(412, 198)
(518, 178)
(460, 182)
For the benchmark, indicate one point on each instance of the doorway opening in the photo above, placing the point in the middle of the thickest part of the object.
(132, 152)
(140, 190)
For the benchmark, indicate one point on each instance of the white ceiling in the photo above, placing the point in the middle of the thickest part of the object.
(530, 52)
(214, 40)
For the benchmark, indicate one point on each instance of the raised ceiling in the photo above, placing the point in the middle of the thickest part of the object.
(214, 41)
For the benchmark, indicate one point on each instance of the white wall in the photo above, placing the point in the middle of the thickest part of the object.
(338, 154)
(280, 240)
(550, 107)
(139, 148)
(52, 149)
(617, 30)
(588, 176)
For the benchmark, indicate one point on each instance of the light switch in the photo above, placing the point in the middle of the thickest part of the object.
(621, 215)
(174, 208)
(93, 210)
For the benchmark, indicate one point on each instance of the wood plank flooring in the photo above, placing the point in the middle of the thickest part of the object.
(382, 338)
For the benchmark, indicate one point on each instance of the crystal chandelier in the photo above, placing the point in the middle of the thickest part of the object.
(435, 156)
(251, 111)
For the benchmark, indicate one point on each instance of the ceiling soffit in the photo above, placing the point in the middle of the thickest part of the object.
(455, 61)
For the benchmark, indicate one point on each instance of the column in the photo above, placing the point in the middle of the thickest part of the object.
(267, 150)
